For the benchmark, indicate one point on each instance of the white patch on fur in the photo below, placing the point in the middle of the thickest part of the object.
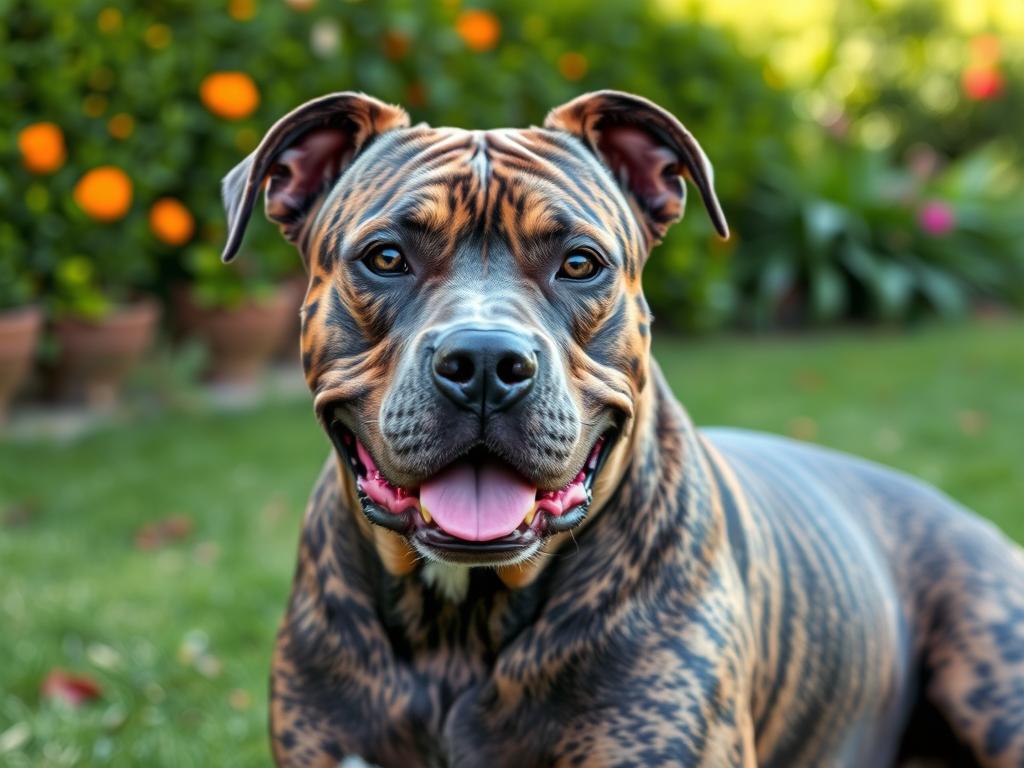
(449, 580)
(354, 761)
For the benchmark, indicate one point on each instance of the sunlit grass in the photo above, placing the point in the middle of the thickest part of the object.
(180, 636)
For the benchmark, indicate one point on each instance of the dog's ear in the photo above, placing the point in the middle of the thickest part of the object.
(647, 150)
(303, 155)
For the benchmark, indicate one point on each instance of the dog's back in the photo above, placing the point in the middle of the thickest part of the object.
(895, 600)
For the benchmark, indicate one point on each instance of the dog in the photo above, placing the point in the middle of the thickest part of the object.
(521, 552)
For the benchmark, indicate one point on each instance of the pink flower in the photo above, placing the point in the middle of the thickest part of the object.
(936, 218)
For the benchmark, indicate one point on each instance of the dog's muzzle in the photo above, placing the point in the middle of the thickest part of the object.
(477, 510)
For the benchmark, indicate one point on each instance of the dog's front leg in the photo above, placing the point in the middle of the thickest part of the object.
(338, 695)
(325, 713)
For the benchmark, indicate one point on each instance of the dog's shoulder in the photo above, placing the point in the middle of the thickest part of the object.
(904, 527)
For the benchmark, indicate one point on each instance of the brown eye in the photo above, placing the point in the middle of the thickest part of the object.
(579, 265)
(386, 260)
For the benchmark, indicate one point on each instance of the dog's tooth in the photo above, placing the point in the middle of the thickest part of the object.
(530, 515)
(426, 515)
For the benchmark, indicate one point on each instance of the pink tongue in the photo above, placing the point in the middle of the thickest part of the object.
(477, 503)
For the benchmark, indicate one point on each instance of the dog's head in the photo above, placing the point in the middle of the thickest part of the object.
(475, 333)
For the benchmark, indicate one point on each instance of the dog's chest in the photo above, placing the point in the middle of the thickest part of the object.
(447, 631)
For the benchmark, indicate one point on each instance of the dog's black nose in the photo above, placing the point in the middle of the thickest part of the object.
(486, 370)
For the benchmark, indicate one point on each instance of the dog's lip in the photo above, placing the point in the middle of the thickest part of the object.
(411, 521)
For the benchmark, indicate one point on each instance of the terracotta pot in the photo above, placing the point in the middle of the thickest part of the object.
(19, 333)
(241, 340)
(95, 356)
(288, 351)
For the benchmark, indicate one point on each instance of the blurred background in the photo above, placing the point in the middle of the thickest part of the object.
(157, 442)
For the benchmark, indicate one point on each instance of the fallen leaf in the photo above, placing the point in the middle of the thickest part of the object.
(803, 428)
(163, 532)
(972, 423)
(69, 688)
(808, 380)
(240, 699)
(18, 514)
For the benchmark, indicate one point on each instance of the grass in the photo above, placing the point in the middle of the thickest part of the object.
(179, 636)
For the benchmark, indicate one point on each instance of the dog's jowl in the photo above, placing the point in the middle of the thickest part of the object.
(521, 552)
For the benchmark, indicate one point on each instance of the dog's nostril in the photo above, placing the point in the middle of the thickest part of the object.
(515, 369)
(484, 369)
(455, 367)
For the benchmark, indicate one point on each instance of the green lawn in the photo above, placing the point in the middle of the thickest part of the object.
(179, 636)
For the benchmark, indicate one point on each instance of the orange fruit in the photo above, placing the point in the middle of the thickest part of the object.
(396, 45)
(479, 30)
(109, 21)
(573, 65)
(231, 95)
(171, 221)
(121, 125)
(42, 147)
(241, 10)
(104, 193)
(158, 36)
(416, 94)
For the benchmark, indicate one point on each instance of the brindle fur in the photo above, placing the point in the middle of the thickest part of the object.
(734, 600)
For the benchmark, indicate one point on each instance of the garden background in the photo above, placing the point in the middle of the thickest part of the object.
(155, 460)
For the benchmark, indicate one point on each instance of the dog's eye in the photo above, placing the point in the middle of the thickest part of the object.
(386, 260)
(580, 264)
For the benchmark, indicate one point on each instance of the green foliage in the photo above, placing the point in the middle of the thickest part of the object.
(216, 284)
(76, 291)
(843, 233)
(83, 65)
(911, 78)
(16, 287)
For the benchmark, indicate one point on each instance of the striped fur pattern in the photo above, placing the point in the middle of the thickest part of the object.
(734, 599)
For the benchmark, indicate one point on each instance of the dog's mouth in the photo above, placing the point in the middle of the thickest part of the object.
(476, 510)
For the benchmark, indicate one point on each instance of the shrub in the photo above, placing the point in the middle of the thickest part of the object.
(127, 118)
(843, 233)
(16, 287)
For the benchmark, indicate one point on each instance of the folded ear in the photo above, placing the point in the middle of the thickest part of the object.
(303, 155)
(647, 150)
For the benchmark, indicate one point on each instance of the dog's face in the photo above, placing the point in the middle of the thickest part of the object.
(475, 332)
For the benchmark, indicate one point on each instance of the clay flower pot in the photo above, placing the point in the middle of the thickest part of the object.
(240, 340)
(19, 333)
(95, 356)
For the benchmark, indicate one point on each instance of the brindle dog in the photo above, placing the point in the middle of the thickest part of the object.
(522, 552)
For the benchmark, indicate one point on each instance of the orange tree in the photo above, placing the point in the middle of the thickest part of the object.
(126, 117)
(129, 115)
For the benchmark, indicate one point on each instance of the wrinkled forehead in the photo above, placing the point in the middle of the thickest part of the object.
(515, 185)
